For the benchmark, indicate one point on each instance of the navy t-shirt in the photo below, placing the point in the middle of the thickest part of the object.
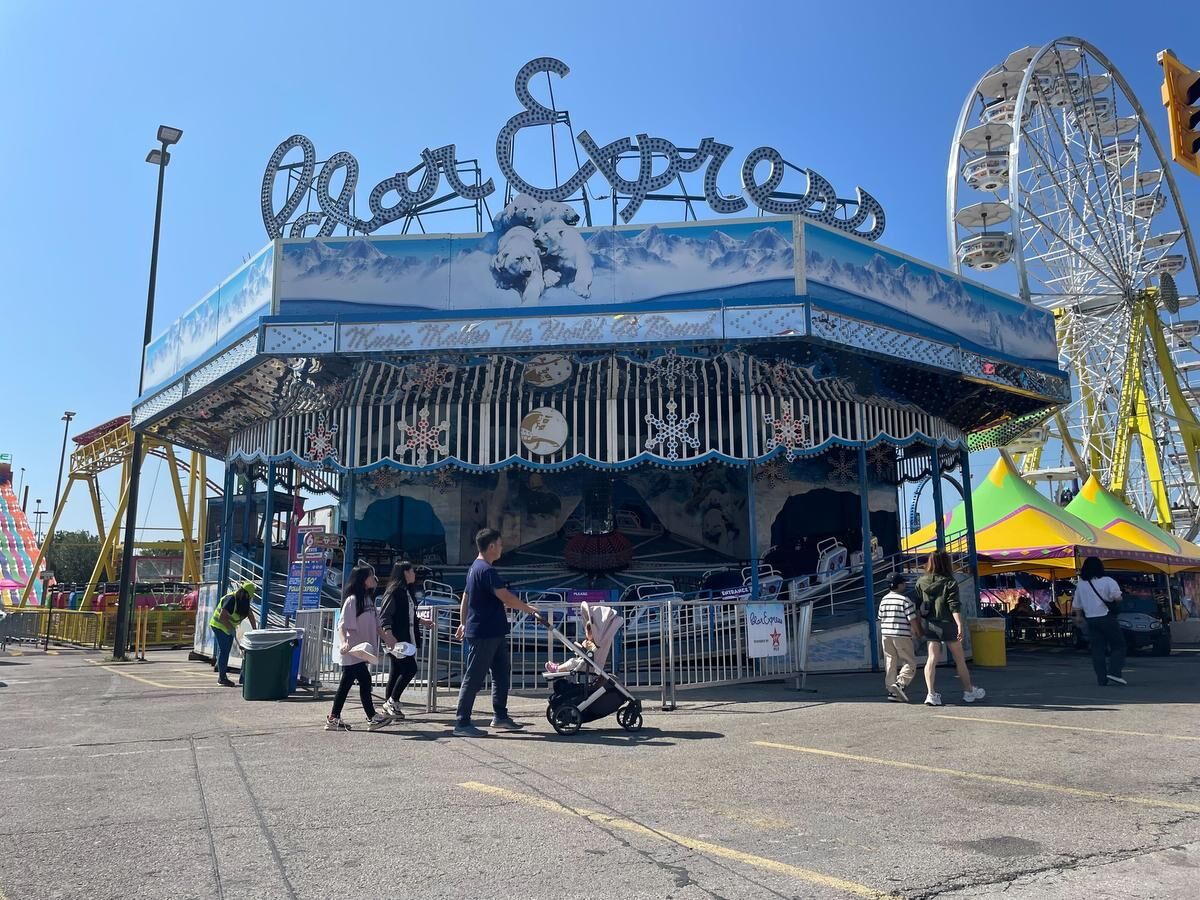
(486, 616)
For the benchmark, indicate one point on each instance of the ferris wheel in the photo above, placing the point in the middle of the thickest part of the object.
(1057, 182)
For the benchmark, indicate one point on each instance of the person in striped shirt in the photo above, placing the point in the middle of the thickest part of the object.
(898, 624)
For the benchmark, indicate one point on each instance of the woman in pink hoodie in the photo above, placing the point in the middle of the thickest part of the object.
(359, 624)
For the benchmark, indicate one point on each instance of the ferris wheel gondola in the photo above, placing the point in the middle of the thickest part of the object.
(1094, 230)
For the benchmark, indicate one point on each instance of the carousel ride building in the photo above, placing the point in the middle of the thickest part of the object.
(693, 403)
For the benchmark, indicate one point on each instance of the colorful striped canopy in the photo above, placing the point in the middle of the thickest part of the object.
(1102, 509)
(1019, 529)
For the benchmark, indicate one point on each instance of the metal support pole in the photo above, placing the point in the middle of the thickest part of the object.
(969, 511)
(868, 566)
(748, 419)
(125, 589)
(935, 480)
(226, 529)
(348, 558)
(249, 510)
(62, 456)
(268, 515)
(752, 514)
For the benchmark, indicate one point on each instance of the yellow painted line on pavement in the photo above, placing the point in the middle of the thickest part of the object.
(993, 779)
(1169, 737)
(705, 847)
(152, 683)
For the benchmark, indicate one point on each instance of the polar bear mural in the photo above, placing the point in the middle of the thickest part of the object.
(518, 265)
(538, 248)
(533, 214)
(566, 259)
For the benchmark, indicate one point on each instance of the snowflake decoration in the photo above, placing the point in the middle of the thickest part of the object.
(427, 377)
(882, 460)
(672, 431)
(670, 367)
(443, 480)
(774, 471)
(423, 437)
(788, 431)
(383, 480)
(843, 467)
(319, 440)
(780, 373)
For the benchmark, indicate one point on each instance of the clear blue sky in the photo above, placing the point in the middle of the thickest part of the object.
(865, 93)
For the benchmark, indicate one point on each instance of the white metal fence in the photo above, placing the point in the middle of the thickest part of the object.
(667, 644)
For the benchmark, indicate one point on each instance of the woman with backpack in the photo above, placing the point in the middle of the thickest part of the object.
(941, 611)
(400, 632)
(1096, 599)
(358, 624)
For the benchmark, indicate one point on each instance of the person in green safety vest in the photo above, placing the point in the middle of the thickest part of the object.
(229, 613)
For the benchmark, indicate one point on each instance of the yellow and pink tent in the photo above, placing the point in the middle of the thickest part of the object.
(1019, 529)
(1102, 509)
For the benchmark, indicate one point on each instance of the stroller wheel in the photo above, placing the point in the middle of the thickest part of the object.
(630, 717)
(566, 719)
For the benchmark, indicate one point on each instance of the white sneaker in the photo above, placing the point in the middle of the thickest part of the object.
(392, 710)
(975, 693)
(379, 721)
(1117, 679)
(335, 724)
(933, 700)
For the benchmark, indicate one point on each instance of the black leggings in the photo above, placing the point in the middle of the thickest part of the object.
(404, 669)
(361, 673)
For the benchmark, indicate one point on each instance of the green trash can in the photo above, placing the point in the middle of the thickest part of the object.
(267, 662)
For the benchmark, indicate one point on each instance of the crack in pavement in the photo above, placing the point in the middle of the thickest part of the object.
(262, 823)
(1068, 862)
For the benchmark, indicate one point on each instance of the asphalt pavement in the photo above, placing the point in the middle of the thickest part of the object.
(146, 780)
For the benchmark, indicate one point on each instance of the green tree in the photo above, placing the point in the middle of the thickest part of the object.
(73, 555)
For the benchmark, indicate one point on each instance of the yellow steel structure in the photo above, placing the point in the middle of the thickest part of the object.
(1136, 420)
(115, 448)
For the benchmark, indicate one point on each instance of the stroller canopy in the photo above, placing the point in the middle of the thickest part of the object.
(605, 624)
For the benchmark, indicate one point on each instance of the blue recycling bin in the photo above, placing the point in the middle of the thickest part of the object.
(297, 654)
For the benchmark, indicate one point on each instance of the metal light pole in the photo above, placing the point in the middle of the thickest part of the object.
(159, 157)
(62, 456)
(37, 515)
(22, 482)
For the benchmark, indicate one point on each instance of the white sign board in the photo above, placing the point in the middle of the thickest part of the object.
(766, 634)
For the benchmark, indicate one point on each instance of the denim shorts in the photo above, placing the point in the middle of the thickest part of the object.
(946, 632)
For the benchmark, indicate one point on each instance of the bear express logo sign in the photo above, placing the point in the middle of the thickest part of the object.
(660, 164)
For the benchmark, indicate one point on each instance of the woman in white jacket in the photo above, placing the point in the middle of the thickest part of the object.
(359, 624)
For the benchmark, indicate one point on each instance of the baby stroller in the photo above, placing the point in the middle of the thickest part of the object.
(582, 690)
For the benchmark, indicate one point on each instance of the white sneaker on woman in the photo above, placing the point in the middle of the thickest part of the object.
(975, 693)
(392, 710)
(933, 700)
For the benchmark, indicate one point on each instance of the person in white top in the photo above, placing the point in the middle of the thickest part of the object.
(1096, 600)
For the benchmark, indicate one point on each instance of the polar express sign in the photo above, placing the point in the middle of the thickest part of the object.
(660, 163)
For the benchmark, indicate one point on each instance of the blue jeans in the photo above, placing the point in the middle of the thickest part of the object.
(223, 641)
(484, 654)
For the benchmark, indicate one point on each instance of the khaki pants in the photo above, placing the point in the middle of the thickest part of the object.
(898, 652)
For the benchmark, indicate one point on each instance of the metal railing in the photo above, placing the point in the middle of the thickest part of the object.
(669, 642)
(162, 629)
(59, 626)
(318, 670)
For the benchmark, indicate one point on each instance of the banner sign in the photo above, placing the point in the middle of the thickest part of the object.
(766, 634)
(315, 541)
(305, 580)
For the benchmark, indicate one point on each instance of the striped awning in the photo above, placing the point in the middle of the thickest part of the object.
(604, 410)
